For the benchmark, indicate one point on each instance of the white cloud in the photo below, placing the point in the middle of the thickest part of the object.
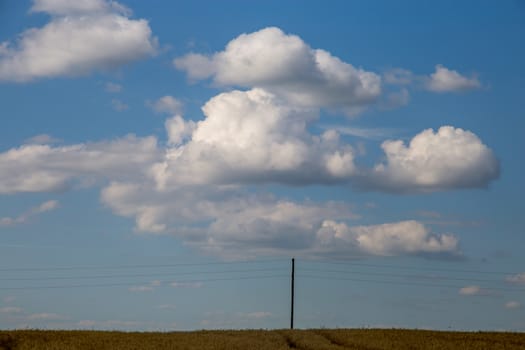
(186, 284)
(447, 159)
(110, 324)
(178, 130)
(513, 305)
(10, 310)
(118, 105)
(167, 104)
(45, 316)
(252, 137)
(113, 87)
(396, 99)
(399, 76)
(9, 299)
(78, 7)
(366, 133)
(229, 223)
(284, 64)
(474, 290)
(447, 80)
(256, 315)
(517, 278)
(146, 288)
(398, 238)
(47, 206)
(43, 168)
(81, 37)
(42, 139)
(23, 218)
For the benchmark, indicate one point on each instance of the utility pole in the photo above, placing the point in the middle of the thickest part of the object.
(293, 282)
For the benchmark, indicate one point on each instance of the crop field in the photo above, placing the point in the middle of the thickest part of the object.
(315, 339)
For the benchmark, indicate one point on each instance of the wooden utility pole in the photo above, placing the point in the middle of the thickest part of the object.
(293, 282)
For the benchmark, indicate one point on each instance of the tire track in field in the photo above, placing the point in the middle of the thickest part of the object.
(344, 345)
(312, 340)
(289, 341)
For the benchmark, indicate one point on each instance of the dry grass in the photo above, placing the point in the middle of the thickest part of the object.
(315, 339)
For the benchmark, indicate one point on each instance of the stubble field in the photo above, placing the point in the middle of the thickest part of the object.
(315, 339)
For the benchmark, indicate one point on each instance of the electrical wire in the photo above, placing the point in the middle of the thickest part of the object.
(114, 267)
(135, 283)
(137, 275)
(418, 268)
(299, 276)
(346, 272)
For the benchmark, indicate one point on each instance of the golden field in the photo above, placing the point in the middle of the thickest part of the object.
(314, 339)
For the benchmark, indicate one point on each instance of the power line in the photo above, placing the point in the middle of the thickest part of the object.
(402, 276)
(115, 267)
(135, 283)
(521, 290)
(419, 268)
(138, 275)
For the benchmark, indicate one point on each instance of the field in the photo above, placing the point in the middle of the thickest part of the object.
(315, 339)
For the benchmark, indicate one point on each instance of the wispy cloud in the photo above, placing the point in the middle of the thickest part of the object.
(46, 316)
(516, 279)
(24, 217)
(166, 307)
(146, 288)
(118, 105)
(10, 310)
(475, 290)
(112, 87)
(41, 139)
(186, 284)
(365, 133)
(441, 81)
(166, 104)
(257, 314)
(513, 305)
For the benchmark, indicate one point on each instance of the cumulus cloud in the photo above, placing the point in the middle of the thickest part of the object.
(398, 238)
(23, 218)
(66, 7)
(43, 168)
(441, 81)
(252, 137)
(284, 64)
(230, 223)
(81, 37)
(167, 104)
(447, 80)
(447, 159)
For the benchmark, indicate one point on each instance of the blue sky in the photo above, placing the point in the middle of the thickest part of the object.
(161, 163)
